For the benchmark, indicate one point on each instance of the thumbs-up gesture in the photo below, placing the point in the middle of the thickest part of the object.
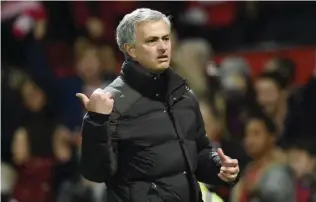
(100, 102)
(229, 167)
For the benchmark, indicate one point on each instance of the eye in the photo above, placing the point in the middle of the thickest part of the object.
(151, 41)
(166, 39)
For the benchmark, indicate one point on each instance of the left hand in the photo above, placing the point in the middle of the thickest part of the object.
(229, 167)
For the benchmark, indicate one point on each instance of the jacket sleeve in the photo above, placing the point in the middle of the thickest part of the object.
(208, 165)
(98, 158)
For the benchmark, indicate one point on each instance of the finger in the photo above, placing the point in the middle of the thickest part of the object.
(231, 163)
(222, 177)
(227, 177)
(84, 99)
(98, 91)
(108, 95)
(221, 155)
(230, 170)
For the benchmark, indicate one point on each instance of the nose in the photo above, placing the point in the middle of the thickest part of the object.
(162, 46)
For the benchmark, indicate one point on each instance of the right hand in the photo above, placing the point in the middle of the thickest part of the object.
(100, 102)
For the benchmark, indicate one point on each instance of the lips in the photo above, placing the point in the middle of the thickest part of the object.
(163, 57)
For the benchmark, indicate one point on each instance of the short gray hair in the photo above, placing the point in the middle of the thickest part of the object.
(126, 30)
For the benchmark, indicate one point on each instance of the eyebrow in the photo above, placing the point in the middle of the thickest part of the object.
(156, 37)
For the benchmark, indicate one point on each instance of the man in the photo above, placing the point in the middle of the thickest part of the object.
(267, 178)
(302, 159)
(293, 117)
(271, 96)
(285, 66)
(144, 135)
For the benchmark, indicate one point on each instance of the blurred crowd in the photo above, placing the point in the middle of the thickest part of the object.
(53, 50)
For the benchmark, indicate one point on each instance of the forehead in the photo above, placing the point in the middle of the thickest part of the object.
(152, 29)
(255, 124)
(266, 83)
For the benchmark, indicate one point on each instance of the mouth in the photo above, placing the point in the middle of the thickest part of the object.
(163, 58)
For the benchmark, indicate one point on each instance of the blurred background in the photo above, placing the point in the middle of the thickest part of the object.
(252, 66)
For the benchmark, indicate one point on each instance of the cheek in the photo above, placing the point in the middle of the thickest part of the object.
(274, 97)
(267, 97)
(254, 143)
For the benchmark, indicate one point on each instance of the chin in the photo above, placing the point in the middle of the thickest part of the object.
(163, 65)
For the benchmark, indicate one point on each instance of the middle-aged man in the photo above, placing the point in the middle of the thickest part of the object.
(144, 135)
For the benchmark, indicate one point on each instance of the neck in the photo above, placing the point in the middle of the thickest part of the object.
(261, 159)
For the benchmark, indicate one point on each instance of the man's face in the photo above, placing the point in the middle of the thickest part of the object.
(257, 139)
(153, 46)
(268, 95)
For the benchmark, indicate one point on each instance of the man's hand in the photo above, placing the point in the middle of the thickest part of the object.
(100, 102)
(229, 167)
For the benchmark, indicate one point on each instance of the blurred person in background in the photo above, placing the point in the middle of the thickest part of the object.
(216, 132)
(109, 63)
(301, 154)
(79, 189)
(294, 113)
(238, 94)
(302, 111)
(272, 97)
(190, 59)
(267, 177)
(97, 20)
(284, 66)
(8, 178)
(95, 67)
(88, 65)
(38, 144)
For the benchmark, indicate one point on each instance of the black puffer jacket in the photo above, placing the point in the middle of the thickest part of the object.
(153, 146)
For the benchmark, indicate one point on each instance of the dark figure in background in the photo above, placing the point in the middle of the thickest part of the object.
(144, 134)
(302, 159)
(272, 97)
(293, 113)
(238, 93)
(37, 145)
(267, 177)
(284, 66)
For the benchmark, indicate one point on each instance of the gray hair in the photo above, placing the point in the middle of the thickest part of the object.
(126, 30)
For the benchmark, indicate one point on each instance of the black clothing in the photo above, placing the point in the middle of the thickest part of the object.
(153, 146)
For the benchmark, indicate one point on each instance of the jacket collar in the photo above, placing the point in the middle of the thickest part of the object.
(143, 80)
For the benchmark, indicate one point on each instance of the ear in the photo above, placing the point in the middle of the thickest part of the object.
(130, 50)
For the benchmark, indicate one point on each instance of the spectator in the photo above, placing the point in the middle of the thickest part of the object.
(8, 177)
(267, 178)
(82, 190)
(271, 96)
(215, 130)
(238, 94)
(285, 66)
(302, 111)
(89, 76)
(37, 145)
(190, 60)
(302, 159)
(293, 116)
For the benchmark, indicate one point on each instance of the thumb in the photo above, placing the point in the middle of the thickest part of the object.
(221, 154)
(84, 99)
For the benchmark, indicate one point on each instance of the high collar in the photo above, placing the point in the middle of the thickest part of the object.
(143, 80)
